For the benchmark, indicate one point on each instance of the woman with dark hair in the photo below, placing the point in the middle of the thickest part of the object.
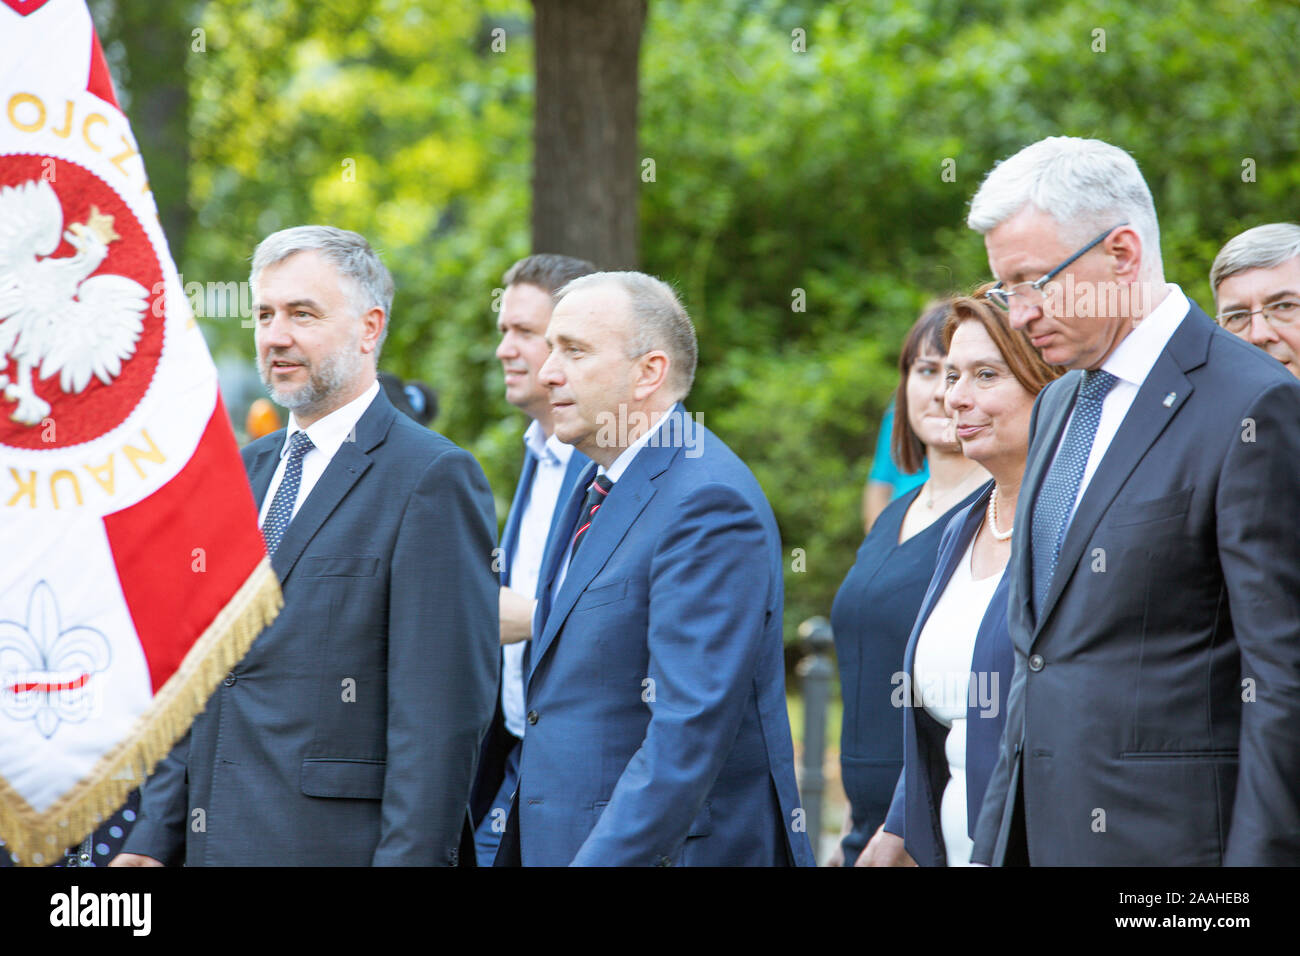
(959, 660)
(877, 603)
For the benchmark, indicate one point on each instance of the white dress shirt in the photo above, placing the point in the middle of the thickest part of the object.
(1131, 363)
(526, 562)
(326, 435)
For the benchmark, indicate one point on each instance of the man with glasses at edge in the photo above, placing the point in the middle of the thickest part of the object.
(1256, 283)
(1154, 601)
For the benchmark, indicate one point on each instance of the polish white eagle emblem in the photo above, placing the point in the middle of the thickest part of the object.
(53, 319)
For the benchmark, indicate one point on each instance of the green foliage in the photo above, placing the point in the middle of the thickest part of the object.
(822, 171)
(776, 171)
(397, 120)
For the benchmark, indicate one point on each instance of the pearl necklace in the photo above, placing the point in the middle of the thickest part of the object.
(993, 518)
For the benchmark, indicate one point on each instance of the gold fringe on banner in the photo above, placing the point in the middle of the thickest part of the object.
(39, 839)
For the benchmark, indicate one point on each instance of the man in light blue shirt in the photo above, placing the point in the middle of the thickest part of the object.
(550, 469)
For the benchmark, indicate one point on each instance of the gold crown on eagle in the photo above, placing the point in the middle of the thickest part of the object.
(99, 223)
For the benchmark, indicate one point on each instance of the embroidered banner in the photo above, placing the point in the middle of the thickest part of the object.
(134, 574)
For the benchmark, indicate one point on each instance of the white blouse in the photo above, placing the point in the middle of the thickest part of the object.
(943, 683)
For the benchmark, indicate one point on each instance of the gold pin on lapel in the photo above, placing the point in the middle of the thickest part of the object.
(1169, 400)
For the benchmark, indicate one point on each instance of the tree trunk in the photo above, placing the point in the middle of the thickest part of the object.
(586, 171)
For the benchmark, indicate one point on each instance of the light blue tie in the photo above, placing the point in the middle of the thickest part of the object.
(277, 518)
(1055, 499)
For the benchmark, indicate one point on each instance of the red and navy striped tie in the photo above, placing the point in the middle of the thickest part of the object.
(596, 493)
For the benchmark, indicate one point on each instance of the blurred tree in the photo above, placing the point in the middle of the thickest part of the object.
(148, 47)
(585, 173)
(813, 164)
(403, 121)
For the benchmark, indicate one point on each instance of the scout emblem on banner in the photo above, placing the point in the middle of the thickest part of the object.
(134, 575)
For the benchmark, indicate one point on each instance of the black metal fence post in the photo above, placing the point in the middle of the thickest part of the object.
(816, 673)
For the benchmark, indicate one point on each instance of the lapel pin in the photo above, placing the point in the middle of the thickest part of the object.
(1169, 400)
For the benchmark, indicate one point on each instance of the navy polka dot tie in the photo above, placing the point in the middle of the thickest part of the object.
(1055, 501)
(277, 518)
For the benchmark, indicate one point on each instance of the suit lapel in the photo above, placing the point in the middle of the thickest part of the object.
(577, 475)
(349, 463)
(573, 490)
(1147, 418)
(579, 463)
(262, 469)
(562, 525)
(1055, 413)
(510, 536)
(631, 493)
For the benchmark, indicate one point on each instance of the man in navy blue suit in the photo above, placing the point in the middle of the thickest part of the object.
(550, 472)
(348, 734)
(657, 725)
(1154, 595)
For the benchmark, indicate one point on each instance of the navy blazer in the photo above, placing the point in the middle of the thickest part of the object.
(1153, 711)
(658, 731)
(914, 812)
(499, 740)
(348, 733)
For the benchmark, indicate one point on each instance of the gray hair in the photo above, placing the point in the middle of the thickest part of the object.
(547, 271)
(348, 252)
(1260, 248)
(1083, 184)
(659, 321)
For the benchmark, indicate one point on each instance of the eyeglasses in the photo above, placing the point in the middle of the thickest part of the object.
(1031, 296)
(1277, 314)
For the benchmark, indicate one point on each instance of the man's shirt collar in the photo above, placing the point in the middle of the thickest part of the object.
(1136, 355)
(329, 433)
(621, 463)
(547, 450)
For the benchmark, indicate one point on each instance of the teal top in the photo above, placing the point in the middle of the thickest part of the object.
(883, 467)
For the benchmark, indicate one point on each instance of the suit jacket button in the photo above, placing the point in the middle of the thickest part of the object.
(663, 861)
(1036, 662)
(532, 716)
(230, 679)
